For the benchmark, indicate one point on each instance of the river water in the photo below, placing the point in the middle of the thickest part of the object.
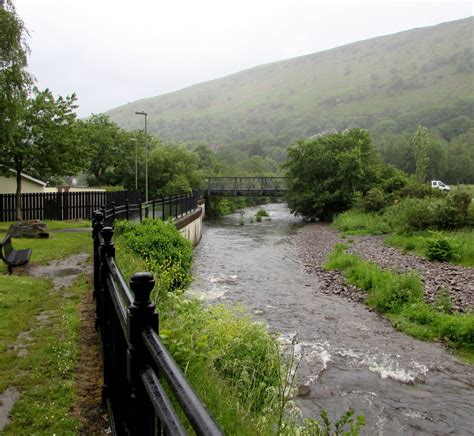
(350, 357)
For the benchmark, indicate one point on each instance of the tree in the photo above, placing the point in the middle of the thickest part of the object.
(43, 140)
(36, 130)
(173, 169)
(325, 173)
(420, 143)
(107, 148)
(15, 81)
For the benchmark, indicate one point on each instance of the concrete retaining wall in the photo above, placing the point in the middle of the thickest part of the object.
(190, 226)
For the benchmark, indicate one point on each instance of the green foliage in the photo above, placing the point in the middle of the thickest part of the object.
(439, 248)
(374, 200)
(462, 241)
(355, 222)
(108, 149)
(326, 172)
(400, 296)
(262, 213)
(443, 302)
(345, 425)
(15, 81)
(165, 252)
(420, 143)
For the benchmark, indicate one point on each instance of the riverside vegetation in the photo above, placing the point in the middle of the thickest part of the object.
(219, 349)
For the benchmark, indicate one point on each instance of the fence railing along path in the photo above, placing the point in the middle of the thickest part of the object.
(251, 186)
(174, 207)
(135, 360)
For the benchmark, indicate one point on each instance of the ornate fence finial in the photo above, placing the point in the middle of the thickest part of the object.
(142, 283)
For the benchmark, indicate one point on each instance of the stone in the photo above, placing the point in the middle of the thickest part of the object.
(303, 390)
(28, 229)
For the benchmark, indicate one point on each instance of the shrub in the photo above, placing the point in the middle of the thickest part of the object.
(262, 213)
(443, 302)
(420, 313)
(410, 215)
(439, 249)
(393, 291)
(166, 252)
(374, 200)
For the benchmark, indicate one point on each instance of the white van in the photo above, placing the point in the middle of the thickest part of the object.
(438, 184)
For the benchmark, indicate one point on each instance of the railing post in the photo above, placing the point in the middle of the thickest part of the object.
(104, 303)
(163, 209)
(127, 209)
(153, 207)
(113, 211)
(142, 315)
(97, 225)
(140, 209)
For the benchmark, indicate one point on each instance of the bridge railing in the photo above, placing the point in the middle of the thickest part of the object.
(246, 185)
(174, 207)
(134, 357)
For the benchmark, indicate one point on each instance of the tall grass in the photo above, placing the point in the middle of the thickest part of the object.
(400, 297)
(361, 223)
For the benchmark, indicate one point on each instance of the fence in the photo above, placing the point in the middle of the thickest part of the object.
(134, 358)
(61, 205)
(164, 208)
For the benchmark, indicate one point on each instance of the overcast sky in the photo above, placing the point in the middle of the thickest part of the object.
(110, 52)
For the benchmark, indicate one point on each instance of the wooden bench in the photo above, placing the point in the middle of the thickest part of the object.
(11, 256)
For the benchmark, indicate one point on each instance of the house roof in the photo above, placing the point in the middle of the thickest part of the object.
(31, 179)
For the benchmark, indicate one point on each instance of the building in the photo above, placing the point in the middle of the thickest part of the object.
(28, 184)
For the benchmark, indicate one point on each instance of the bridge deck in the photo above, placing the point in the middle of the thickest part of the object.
(254, 186)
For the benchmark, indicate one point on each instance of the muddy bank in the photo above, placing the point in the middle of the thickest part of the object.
(317, 240)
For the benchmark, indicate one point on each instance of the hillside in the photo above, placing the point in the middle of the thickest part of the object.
(387, 84)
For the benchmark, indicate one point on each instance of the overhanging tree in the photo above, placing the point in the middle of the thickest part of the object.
(324, 173)
(37, 130)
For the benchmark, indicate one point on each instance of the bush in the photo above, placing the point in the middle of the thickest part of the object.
(440, 249)
(453, 212)
(165, 252)
(262, 213)
(374, 200)
(410, 215)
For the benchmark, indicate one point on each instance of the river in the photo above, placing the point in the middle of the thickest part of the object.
(350, 357)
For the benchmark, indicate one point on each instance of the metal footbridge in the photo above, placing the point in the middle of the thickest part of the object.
(246, 186)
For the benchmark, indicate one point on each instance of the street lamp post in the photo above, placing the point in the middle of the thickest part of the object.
(136, 162)
(146, 155)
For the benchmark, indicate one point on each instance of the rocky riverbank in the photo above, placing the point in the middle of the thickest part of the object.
(316, 241)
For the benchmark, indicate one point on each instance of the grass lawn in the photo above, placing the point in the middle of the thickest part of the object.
(38, 338)
(53, 225)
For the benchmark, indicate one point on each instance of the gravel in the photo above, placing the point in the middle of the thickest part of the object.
(316, 241)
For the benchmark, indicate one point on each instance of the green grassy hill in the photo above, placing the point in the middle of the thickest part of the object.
(387, 84)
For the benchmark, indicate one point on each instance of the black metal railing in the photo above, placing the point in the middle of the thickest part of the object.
(164, 208)
(134, 357)
(254, 186)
